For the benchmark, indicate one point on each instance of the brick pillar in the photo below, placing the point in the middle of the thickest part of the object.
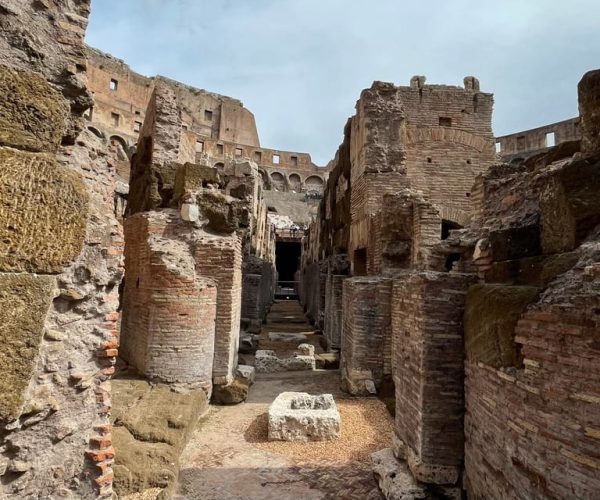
(427, 315)
(169, 311)
(366, 341)
(220, 258)
(333, 310)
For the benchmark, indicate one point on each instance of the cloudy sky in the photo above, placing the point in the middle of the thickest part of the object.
(299, 65)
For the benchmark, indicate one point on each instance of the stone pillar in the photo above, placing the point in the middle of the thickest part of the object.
(427, 312)
(366, 338)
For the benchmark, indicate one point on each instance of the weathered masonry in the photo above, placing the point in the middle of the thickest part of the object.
(482, 309)
(223, 128)
(134, 281)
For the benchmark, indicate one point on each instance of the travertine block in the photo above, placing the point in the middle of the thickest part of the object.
(298, 416)
(24, 303)
(33, 116)
(43, 213)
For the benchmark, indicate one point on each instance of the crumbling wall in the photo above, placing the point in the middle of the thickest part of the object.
(531, 403)
(220, 258)
(61, 250)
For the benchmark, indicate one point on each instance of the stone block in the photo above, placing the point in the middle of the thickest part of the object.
(231, 394)
(515, 242)
(534, 271)
(327, 360)
(246, 373)
(33, 116)
(491, 314)
(299, 362)
(24, 303)
(394, 477)
(266, 361)
(570, 205)
(306, 349)
(191, 177)
(298, 416)
(43, 213)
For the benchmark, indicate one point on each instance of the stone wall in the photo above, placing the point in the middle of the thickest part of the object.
(524, 143)
(60, 268)
(531, 404)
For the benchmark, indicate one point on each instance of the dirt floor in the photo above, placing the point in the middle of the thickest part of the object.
(229, 456)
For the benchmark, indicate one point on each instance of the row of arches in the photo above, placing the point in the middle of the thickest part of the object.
(278, 181)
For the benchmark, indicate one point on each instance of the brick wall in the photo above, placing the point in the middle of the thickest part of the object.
(220, 258)
(533, 431)
(366, 335)
(427, 361)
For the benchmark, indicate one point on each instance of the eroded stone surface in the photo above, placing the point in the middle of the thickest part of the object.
(298, 416)
(24, 303)
(395, 480)
(33, 116)
(43, 209)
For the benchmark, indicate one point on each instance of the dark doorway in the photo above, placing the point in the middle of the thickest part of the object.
(447, 226)
(360, 262)
(287, 258)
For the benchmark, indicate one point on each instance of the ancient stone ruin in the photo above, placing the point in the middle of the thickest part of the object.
(185, 313)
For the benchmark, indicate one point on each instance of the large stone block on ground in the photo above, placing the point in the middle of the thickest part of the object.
(33, 116)
(298, 416)
(24, 302)
(491, 314)
(43, 213)
(151, 427)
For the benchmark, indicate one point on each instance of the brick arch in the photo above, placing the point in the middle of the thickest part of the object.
(455, 215)
(120, 140)
(320, 182)
(295, 181)
(417, 135)
(278, 181)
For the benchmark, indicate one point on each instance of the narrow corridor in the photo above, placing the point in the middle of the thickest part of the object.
(229, 456)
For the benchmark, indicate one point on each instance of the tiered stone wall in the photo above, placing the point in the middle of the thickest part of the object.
(532, 407)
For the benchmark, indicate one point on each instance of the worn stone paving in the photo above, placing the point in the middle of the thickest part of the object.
(229, 457)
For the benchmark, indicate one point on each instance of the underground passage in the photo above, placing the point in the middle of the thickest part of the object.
(188, 313)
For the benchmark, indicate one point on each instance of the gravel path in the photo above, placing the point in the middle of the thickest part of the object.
(229, 456)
